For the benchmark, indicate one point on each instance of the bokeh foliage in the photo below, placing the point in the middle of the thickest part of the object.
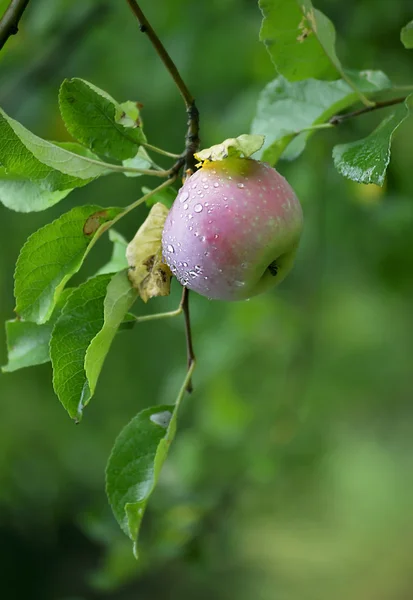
(291, 476)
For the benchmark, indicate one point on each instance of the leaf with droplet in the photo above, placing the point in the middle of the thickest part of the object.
(284, 108)
(243, 145)
(94, 118)
(406, 35)
(366, 160)
(148, 274)
(52, 255)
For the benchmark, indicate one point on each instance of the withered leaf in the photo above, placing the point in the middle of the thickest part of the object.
(147, 273)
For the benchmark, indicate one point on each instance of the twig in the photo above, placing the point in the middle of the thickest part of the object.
(337, 119)
(186, 160)
(9, 23)
(146, 27)
(188, 334)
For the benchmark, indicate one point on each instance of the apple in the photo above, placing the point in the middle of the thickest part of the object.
(233, 230)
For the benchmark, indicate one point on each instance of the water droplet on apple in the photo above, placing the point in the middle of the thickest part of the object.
(198, 208)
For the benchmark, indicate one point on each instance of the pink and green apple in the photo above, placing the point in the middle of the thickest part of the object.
(233, 230)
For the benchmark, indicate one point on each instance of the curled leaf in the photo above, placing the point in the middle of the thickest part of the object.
(147, 273)
(243, 145)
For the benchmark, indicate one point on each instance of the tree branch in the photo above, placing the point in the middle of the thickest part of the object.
(337, 119)
(192, 141)
(186, 160)
(188, 334)
(146, 27)
(9, 23)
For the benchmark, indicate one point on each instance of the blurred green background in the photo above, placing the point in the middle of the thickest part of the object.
(291, 474)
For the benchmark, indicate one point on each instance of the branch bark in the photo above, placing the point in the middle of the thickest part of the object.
(9, 23)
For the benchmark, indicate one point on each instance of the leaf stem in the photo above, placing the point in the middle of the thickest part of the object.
(156, 316)
(123, 169)
(146, 27)
(337, 119)
(185, 385)
(160, 151)
(9, 23)
(141, 200)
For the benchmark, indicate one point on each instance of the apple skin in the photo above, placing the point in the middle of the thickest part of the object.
(233, 230)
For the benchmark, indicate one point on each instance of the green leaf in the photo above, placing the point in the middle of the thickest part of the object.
(23, 195)
(366, 160)
(81, 320)
(136, 460)
(119, 298)
(166, 196)
(141, 160)
(301, 41)
(55, 168)
(134, 465)
(284, 108)
(52, 255)
(118, 260)
(83, 334)
(98, 121)
(406, 35)
(28, 343)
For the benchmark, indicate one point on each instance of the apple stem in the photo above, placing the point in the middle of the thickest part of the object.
(9, 23)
